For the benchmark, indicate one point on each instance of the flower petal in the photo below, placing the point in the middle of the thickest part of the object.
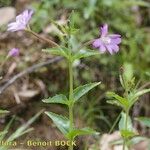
(115, 48)
(102, 48)
(21, 21)
(97, 43)
(13, 52)
(116, 41)
(104, 30)
(109, 48)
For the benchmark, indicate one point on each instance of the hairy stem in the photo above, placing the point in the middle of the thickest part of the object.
(42, 38)
(71, 101)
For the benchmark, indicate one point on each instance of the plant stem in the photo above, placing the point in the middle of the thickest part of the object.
(126, 125)
(71, 101)
(42, 38)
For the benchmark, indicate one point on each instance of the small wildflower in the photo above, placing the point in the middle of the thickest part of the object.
(21, 21)
(13, 52)
(107, 42)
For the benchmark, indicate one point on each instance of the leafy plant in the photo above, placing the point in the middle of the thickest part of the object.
(66, 124)
(71, 51)
(129, 98)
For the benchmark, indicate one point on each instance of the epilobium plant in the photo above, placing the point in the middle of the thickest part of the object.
(71, 53)
(126, 102)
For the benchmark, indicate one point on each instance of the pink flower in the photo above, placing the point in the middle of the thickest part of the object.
(107, 42)
(13, 52)
(21, 21)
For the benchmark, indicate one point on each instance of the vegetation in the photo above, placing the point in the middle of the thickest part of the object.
(67, 29)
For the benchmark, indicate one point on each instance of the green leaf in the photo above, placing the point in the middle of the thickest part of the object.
(142, 92)
(57, 51)
(72, 29)
(123, 102)
(122, 122)
(58, 99)
(84, 53)
(82, 90)
(114, 102)
(83, 131)
(122, 81)
(71, 19)
(137, 94)
(128, 71)
(61, 122)
(127, 133)
(144, 120)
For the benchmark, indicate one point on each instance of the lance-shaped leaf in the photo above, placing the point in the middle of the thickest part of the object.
(114, 102)
(82, 90)
(84, 53)
(126, 130)
(122, 122)
(57, 51)
(61, 122)
(144, 120)
(137, 94)
(140, 93)
(123, 102)
(83, 131)
(128, 71)
(58, 99)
